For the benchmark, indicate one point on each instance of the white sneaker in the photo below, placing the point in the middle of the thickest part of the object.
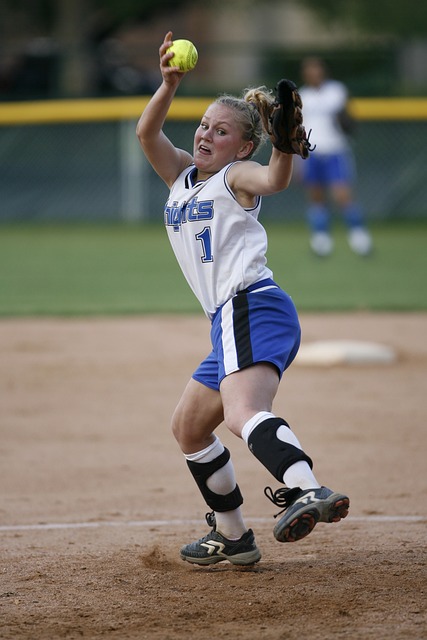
(360, 241)
(321, 243)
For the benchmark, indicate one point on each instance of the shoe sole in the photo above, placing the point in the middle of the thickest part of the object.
(240, 559)
(332, 509)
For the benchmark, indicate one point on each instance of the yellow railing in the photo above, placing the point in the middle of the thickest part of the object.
(389, 108)
(104, 109)
(95, 110)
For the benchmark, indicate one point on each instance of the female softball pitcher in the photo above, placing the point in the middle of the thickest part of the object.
(211, 218)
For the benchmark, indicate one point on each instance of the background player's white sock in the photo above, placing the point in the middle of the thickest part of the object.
(222, 482)
(298, 474)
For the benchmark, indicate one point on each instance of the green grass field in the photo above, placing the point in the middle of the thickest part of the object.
(101, 270)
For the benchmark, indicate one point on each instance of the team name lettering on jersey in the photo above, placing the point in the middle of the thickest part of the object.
(191, 211)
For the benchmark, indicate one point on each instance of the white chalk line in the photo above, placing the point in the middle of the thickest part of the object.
(179, 523)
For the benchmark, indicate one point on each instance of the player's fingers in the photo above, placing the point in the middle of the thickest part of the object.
(168, 39)
(166, 44)
(164, 66)
(169, 72)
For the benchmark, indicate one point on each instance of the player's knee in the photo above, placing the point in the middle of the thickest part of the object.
(192, 431)
(185, 439)
(234, 420)
(184, 423)
(177, 425)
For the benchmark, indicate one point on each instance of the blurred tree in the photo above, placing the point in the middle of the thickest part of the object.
(403, 25)
(407, 20)
(121, 10)
(75, 26)
(72, 29)
(47, 12)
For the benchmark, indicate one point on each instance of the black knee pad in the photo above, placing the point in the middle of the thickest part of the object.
(274, 454)
(201, 471)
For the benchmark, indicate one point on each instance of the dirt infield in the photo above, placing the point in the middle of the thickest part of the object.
(95, 498)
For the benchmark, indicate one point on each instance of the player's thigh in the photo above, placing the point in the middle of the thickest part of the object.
(198, 413)
(246, 392)
(341, 176)
(317, 193)
(342, 193)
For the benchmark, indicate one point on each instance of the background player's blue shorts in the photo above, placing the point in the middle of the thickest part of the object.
(322, 169)
(259, 324)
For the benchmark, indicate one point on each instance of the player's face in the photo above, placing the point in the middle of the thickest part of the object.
(313, 73)
(218, 140)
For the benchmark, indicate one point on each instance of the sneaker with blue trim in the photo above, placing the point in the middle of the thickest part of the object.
(214, 547)
(303, 509)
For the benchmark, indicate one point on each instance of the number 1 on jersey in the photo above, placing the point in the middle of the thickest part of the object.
(205, 238)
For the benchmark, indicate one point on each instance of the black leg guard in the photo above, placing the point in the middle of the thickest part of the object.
(274, 454)
(201, 471)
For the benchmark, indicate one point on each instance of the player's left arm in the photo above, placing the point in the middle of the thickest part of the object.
(254, 179)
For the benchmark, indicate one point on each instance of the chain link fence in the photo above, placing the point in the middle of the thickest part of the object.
(96, 172)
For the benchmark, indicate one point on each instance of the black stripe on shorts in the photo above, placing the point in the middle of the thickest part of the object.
(242, 330)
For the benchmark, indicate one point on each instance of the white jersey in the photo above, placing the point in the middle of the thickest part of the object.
(321, 106)
(220, 246)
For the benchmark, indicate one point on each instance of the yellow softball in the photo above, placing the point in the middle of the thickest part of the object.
(185, 55)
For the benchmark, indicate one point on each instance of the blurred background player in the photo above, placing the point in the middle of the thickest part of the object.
(329, 173)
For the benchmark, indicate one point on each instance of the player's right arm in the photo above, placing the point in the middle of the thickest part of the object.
(166, 159)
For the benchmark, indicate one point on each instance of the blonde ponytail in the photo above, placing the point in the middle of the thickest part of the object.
(252, 113)
(263, 99)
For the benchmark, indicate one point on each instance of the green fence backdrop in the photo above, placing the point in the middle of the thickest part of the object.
(80, 161)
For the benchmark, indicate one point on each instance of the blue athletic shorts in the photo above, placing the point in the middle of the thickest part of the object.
(322, 169)
(259, 324)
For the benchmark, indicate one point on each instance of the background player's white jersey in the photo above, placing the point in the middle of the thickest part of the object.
(220, 246)
(321, 106)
